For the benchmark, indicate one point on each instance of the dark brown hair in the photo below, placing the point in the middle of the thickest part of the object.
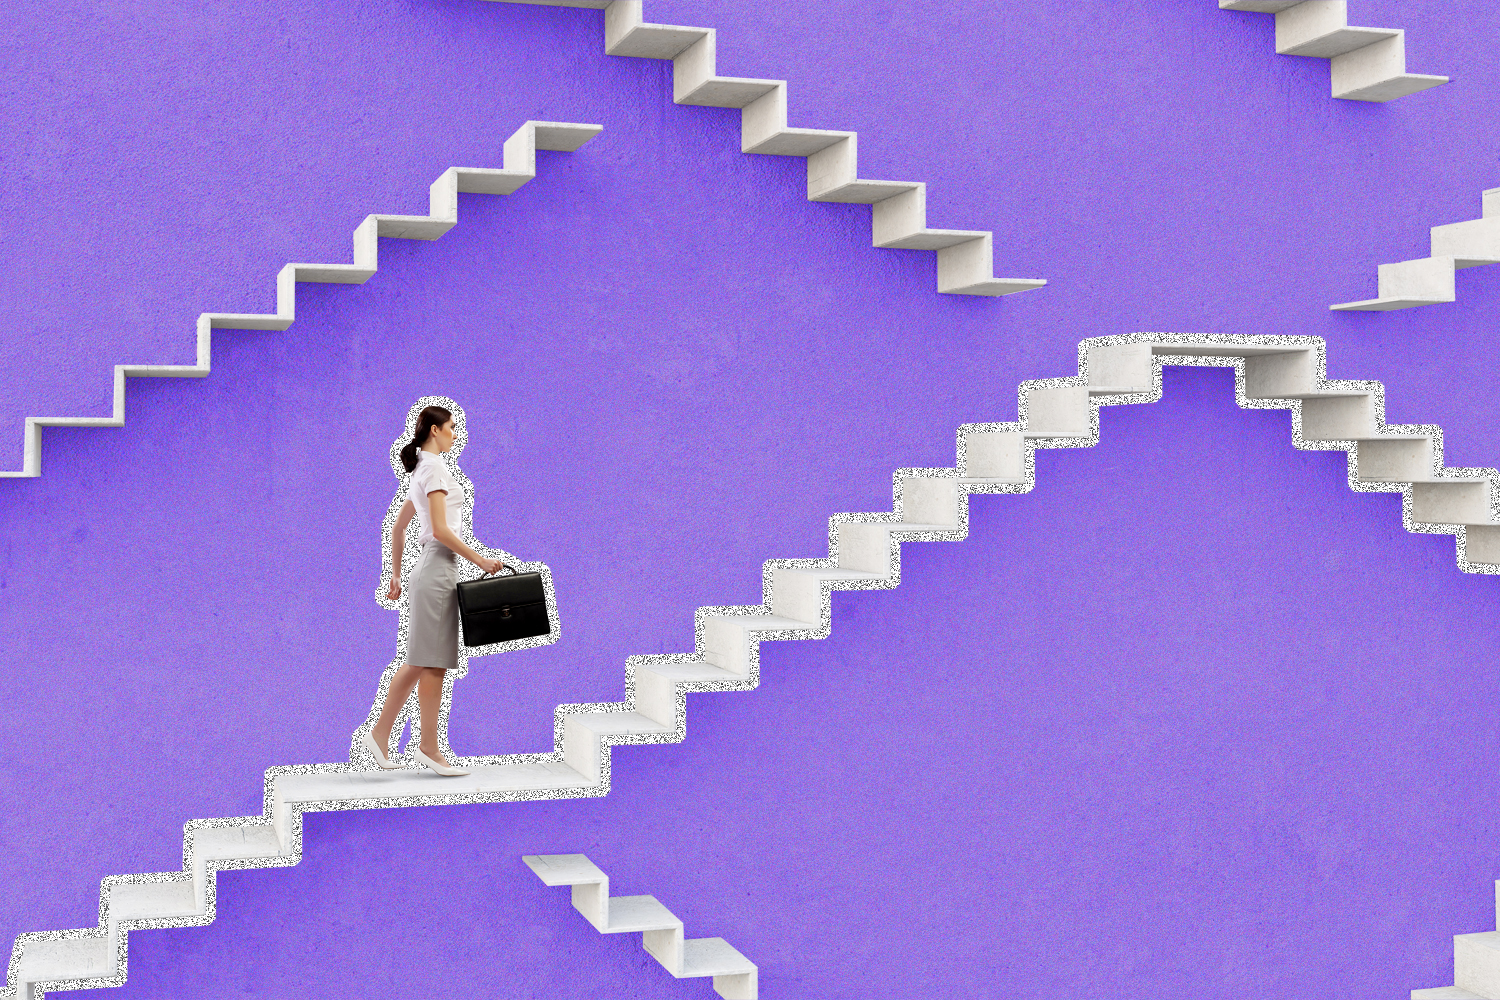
(430, 417)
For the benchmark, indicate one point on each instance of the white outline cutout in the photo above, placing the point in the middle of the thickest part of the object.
(1271, 372)
(411, 552)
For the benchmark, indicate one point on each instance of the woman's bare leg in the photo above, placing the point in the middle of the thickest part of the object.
(430, 698)
(395, 697)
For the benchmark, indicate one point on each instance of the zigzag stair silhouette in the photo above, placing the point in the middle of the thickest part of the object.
(965, 258)
(1365, 64)
(1272, 372)
(519, 159)
(1430, 280)
(735, 976)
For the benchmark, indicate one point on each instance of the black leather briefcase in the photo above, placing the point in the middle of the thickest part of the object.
(503, 608)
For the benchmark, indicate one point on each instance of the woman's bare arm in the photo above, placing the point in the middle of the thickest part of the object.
(437, 509)
(398, 546)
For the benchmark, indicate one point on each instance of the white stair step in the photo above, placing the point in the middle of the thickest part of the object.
(1476, 962)
(564, 869)
(834, 573)
(712, 957)
(82, 958)
(764, 622)
(639, 913)
(689, 672)
(617, 723)
(236, 842)
(1079, 432)
(142, 900)
(415, 780)
(1117, 390)
(1336, 42)
(1384, 305)
(1445, 993)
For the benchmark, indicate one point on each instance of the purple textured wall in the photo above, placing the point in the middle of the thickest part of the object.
(1192, 719)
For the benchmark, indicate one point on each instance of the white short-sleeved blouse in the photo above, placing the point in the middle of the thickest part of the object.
(431, 474)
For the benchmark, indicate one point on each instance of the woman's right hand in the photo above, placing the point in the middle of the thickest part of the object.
(395, 590)
(491, 565)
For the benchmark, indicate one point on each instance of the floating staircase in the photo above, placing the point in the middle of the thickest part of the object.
(734, 975)
(1430, 280)
(1365, 64)
(965, 258)
(864, 552)
(519, 167)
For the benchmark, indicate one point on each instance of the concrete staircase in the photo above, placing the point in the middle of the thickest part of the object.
(1365, 64)
(519, 167)
(734, 975)
(965, 258)
(864, 552)
(1430, 280)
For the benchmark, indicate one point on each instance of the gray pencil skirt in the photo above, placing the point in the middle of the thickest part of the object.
(432, 624)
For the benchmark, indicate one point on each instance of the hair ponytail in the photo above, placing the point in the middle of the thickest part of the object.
(430, 417)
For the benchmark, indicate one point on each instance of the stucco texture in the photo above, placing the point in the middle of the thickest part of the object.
(1190, 720)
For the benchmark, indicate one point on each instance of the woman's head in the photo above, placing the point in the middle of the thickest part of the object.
(434, 427)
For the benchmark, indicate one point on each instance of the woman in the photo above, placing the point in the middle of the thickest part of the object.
(437, 499)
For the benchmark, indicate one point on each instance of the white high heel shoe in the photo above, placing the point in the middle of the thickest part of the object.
(381, 759)
(443, 769)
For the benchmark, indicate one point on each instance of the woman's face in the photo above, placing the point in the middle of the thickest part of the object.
(444, 436)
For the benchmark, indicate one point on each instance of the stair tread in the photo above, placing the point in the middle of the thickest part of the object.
(614, 723)
(564, 869)
(712, 957)
(763, 621)
(833, 573)
(695, 671)
(639, 913)
(345, 786)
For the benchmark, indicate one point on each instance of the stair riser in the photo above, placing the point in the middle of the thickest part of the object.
(1400, 461)
(1370, 66)
(742, 986)
(1460, 503)
(1122, 365)
(1059, 412)
(1483, 544)
(995, 455)
(1280, 376)
(656, 698)
(666, 948)
(864, 547)
(1476, 963)
(798, 596)
(1343, 418)
(1475, 238)
(929, 501)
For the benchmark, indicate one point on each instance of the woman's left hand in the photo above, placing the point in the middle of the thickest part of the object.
(395, 590)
